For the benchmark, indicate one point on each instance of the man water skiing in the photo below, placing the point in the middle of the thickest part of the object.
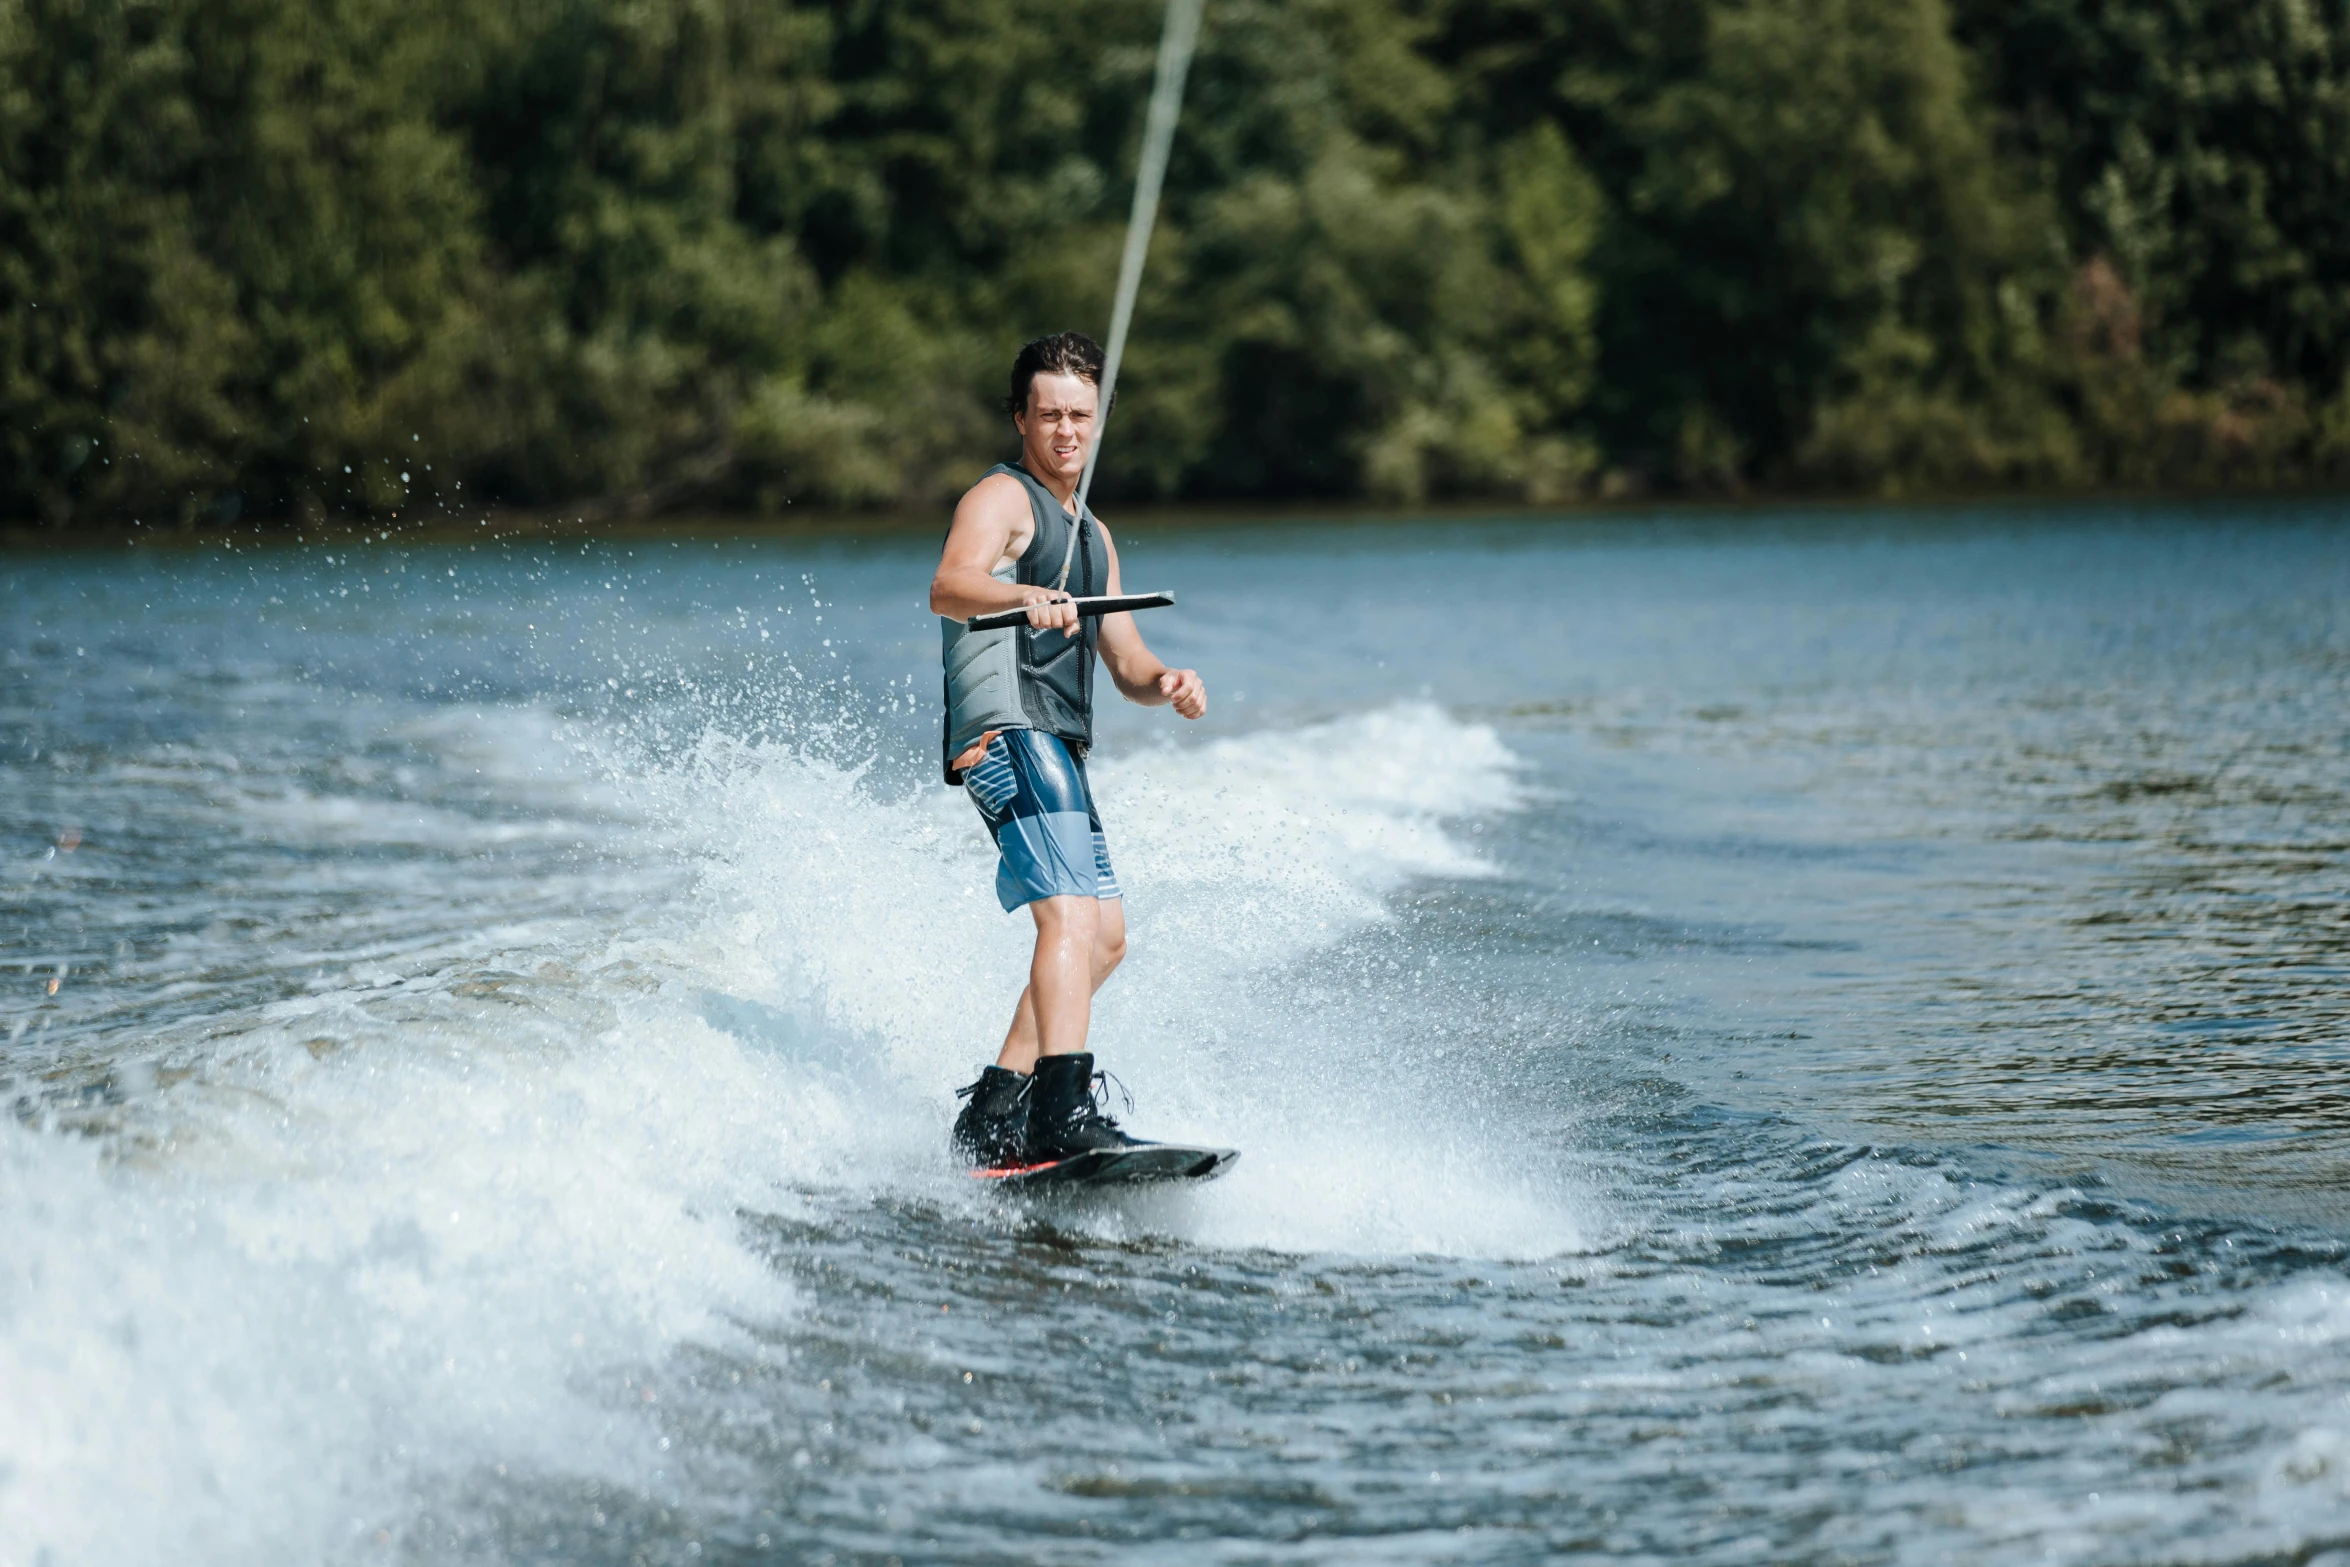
(1019, 721)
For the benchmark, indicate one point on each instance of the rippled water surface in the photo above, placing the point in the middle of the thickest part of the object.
(1757, 1038)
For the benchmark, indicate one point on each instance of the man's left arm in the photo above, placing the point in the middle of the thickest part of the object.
(1135, 670)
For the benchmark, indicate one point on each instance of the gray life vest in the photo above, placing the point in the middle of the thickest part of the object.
(1018, 678)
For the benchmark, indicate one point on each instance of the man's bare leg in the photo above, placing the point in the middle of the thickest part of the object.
(1057, 929)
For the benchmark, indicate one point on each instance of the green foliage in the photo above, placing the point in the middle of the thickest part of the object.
(260, 255)
(2204, 146)
(230, 244)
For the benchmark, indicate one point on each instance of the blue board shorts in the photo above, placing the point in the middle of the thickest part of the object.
(1032, 793)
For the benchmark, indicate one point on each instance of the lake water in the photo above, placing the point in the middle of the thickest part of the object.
(1756, 1038)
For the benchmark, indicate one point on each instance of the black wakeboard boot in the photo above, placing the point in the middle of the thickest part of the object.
(1065, 1115)
(993, 1128)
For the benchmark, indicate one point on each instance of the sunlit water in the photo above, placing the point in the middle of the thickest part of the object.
(1763, 1039)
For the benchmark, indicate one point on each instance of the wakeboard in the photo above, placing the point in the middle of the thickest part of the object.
(1143, 1164)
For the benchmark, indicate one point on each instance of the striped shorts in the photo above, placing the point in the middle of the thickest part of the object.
(1032, 793)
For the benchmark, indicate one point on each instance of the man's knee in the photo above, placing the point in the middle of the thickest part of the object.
(1109, 946)
(1066, 918)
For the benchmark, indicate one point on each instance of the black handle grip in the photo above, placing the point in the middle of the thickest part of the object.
(1108, 604)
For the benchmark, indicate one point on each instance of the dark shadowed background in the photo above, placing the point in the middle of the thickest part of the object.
(277, 258)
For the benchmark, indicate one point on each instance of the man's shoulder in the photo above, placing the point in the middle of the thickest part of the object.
(998, 490)
(998, 478)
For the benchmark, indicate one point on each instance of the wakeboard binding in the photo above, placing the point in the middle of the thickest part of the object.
(1052, 1130)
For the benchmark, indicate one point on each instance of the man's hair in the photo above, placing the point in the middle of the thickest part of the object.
(1063, 353)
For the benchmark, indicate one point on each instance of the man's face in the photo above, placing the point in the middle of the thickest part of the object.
(1057, 429)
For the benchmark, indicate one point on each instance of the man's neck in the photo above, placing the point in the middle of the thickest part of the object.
(1064, 490)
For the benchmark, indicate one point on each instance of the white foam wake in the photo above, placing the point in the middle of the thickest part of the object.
(390, 1239)
(389, 1233)
(861, 942)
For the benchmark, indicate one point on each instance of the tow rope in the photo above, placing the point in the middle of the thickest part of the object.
(1176, 42)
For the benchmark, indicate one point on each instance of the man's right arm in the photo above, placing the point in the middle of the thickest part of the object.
(987, 522)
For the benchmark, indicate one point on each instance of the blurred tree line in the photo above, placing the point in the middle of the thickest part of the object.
(290, 256)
